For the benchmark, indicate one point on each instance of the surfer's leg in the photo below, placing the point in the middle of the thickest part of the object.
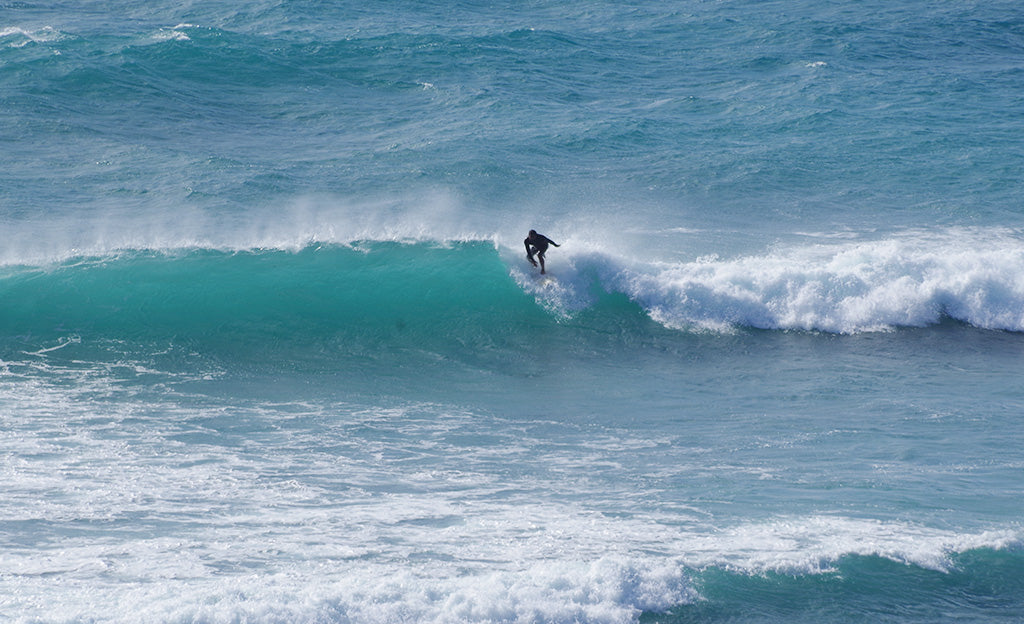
(541, 258)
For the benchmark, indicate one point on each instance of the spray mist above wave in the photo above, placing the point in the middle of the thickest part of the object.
(97, 232)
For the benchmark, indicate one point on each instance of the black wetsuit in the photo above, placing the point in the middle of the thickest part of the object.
(537, 244)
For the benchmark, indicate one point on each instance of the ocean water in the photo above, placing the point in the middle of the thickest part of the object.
(271, 352)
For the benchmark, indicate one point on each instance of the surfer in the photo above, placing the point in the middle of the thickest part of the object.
(537, 244)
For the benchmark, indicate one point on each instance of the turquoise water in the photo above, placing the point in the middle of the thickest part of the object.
(270, 350)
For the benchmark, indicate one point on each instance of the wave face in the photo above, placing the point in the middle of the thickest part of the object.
(377, 289)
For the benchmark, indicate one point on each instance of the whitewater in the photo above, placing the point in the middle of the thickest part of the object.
(271, 350)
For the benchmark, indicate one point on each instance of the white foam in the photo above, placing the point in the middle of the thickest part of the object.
(19, 37)
(910, 279)
(814, 544)
(60, 345)
(605, 591)
(309, 574)
(336, 513)
(170, 35)
(220, 539)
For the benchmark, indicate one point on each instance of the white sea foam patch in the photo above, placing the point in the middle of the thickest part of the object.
(196, 579)
(16, 37)
(125, 506)
(803, 545)
(609, 591)
(122, 506)
(563, 291)
(910, 280)
(171, 34)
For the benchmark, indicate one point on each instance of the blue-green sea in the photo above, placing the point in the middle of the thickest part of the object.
(271, 350)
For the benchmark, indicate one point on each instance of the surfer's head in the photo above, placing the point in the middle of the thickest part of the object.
(533, 232)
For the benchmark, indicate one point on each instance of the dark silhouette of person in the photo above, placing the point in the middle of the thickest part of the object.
(537, 244)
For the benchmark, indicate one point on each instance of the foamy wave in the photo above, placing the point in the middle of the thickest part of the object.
(815, 544)
(605, 592)
(170, 35)
(171, 582)
(19, 37)
(909, 280)
(176, 33)
(191, 532)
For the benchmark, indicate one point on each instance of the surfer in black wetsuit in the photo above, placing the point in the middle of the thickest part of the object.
(537, 244)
